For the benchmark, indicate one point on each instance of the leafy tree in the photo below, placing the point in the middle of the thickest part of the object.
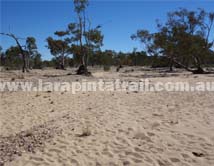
(183, 39)
(49, 63)
(25, 52)
(59, 48)
(82, 38)
(133, 57)
(70, 62)
(13, 58)
(37, 61)
(31, 48)
(107, 57)
(79, 39)
(19, 46)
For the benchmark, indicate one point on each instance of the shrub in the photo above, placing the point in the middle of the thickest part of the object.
(106, 68)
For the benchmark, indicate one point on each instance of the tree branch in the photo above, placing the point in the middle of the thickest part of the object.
(20, 48)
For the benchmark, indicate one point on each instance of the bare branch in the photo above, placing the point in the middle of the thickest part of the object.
(20, 48)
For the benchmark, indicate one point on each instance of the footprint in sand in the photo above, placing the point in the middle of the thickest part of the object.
(74, 162)
(142, 136)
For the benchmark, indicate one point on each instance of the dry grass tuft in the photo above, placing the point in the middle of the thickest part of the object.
(85, 132)
(13, 79)
(20, 77)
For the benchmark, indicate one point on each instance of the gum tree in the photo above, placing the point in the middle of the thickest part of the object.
(82, 37)
(31, 49)
(59, 48)
(79, 39)
(184, 39)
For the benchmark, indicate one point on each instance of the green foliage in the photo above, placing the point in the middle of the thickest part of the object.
(159, 61)
(59, 48)
(106, 67)
(13, 58)
(31, 45)
(80, 5)
(183, 39)
(70, 62)
(94, 37)
(89, 39)
(107, 58)
(31, 52)
(37, 61)
(79, 39)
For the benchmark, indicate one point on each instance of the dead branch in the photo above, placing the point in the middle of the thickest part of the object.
(24, 68)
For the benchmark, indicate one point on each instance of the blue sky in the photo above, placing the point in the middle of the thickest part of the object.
(119, 19)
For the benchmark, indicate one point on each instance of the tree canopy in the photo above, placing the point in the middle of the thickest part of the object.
(183, 38)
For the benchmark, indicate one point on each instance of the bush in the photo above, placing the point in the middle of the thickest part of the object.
(106, 68)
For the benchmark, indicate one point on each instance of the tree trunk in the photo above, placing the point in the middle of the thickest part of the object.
(24, 67)
(82, 70)
(171, 65)
(28, 62)
(62, 65)
(199, 69)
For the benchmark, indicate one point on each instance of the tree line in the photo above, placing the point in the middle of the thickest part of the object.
(185, 40)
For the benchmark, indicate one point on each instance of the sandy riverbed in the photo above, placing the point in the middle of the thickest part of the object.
(134, 128)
